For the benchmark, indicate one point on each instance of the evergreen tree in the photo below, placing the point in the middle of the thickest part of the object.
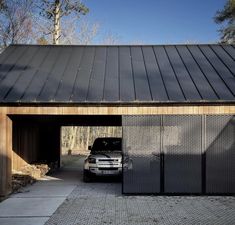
(227, 16)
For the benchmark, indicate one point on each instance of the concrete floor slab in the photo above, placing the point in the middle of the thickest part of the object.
(34, 204)
(40, 207)
(61, 190)
(23, 221)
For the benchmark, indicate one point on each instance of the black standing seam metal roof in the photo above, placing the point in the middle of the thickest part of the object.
(117, 74)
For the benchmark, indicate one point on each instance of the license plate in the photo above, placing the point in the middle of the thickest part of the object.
(108, 172)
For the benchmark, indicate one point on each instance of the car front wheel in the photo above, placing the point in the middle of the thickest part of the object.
(86, 176)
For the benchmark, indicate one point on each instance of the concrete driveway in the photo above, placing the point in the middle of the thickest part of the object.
(36, 203)
(64, 199)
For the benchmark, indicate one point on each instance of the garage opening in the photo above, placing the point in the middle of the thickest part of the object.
(56, 141)
(76, 144)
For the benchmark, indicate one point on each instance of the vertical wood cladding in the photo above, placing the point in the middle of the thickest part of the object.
(5, 154)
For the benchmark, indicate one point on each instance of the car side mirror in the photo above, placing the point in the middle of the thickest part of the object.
(89, 147)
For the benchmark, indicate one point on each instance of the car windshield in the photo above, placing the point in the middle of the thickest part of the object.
(107, 144)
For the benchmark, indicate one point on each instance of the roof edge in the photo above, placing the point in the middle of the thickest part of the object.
(125, 45)
(116, 104)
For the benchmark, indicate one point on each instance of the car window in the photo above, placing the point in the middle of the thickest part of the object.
(107, 144)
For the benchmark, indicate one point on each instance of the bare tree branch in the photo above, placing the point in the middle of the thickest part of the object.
(15, 22)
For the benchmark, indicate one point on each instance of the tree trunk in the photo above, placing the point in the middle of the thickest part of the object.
(88, 137)
(74, 136)
(56, 32)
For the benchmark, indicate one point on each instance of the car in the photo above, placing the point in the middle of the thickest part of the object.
(105, 158)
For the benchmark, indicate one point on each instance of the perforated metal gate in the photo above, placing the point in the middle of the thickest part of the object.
(178, 154)
(220, 154)
(141, 151)
(182, 154)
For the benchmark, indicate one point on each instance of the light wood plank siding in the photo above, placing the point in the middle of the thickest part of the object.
(119, 110)
(5, 154)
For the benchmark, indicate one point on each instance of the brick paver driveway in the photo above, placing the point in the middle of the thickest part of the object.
(102, 203)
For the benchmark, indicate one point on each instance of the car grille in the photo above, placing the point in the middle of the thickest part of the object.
(108, 168)
(108, 160)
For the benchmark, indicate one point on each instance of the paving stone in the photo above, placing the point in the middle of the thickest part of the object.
(103, 203)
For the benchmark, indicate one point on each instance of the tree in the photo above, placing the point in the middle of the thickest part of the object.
(15, 22)
(79, 33)
(111, 39)
(227, 15)
(42, 41)
(55, 10)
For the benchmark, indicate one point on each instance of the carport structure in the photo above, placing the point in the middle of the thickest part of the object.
(176, 104)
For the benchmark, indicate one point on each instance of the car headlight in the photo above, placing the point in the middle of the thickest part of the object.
(92, 160)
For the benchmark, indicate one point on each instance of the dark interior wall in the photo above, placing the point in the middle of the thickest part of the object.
(35, 142)
(25, 144)
(49, 143)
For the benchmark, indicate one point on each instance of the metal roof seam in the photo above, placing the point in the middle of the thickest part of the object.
(56, 75)
(105, 72)
(20, 74)
(161, 73)
(63, 74)
(5, 90)
(78, 69)
(119, 85)
(225, 83)
(216, 71)
(12, 49)
(33, 77)
(175, 73)
(91, 74)
(203, 73)
(150, 91)
(228, 52)
(12, 66)
(188, 72)
(49, 74)
(222, 61)
(132, 72)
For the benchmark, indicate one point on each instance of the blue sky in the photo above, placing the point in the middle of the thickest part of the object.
(157, 21)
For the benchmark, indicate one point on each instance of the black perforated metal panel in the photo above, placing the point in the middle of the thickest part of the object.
(220, 154)
(141, 154)
(179, 154)
(182, 154)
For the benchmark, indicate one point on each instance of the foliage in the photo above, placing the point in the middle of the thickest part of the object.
(42, 41)
(78, 33)
(111, 39)
(67, 7)
(78, 139)
(28, 21)
(55, 10)
(15, 22)
(227, 15)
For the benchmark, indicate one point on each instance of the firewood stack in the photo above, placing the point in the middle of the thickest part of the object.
(28, 174)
